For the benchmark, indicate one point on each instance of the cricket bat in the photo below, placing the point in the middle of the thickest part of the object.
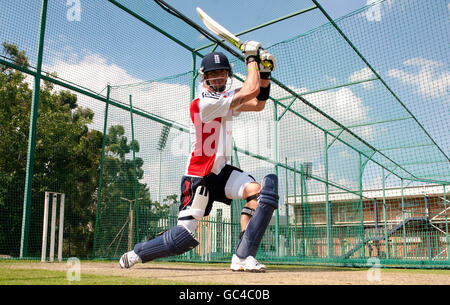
(222, 32)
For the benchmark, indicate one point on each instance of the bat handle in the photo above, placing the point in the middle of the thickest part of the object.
(267, 64)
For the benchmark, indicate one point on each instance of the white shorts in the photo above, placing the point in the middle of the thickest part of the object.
(228, 185)
(236, 183)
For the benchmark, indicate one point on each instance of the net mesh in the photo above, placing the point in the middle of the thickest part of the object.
(355, 129)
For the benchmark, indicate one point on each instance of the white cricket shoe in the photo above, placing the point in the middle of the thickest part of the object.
(129, 259)
(248, 264)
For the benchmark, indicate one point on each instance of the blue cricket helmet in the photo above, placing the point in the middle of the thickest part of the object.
(215, 61)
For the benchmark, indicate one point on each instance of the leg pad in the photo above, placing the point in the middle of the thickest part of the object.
(176, 241)
(268, 202)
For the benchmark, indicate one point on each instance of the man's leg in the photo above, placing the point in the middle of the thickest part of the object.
(175, 241)
(180, 238)
(251, 193)
(244, 259)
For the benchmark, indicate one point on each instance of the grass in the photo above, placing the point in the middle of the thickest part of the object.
(45, 277)
(20, 272)
(11, 273)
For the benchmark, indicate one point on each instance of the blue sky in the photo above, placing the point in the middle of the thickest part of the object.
(94, 32)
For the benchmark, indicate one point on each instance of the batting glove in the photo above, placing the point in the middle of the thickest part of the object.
(268, 62)
(251, 51)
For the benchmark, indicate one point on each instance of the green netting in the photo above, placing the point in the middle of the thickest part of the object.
(356, 129)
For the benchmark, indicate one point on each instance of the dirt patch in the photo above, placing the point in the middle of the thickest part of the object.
(200, 274)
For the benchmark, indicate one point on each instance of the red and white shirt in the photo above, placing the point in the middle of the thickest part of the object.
(211, 132)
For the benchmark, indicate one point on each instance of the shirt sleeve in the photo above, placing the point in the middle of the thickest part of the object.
(214, 105)
(235, 111)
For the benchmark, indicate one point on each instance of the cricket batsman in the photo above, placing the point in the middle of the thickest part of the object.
(208, 176)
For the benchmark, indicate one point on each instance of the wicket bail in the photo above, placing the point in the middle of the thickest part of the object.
(53, 226)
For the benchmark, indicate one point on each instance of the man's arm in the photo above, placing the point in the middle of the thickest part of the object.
(259, 102)
(255, 104)
(250, 89)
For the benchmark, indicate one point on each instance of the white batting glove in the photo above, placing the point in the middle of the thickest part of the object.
(251, 51)
(267, 58)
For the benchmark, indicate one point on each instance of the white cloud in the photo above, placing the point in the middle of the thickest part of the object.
(343, 105)
(361, 75)
(168, 100)
(376, 12)
(334, 176)
(427, 80)
(373, 13)
(91, 71)
(94, 72)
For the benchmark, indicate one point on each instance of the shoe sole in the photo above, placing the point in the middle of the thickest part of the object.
(237, 269)
(249, 270)
(256, 270)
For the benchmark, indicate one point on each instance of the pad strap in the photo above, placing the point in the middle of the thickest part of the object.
(248, 211)
(250, 198)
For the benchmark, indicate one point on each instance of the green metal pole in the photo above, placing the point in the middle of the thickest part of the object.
(102, 160)
(428, 237)
(446, 226)
(302, 190)
(309, 228)
(361, 210)
(375, 211)
(288, 233)
(135, 175)
(194, 75)
(327, 201)
(403, 222)
(32, 135)
(386, 240)
(159, 180)
(295, 209)
(275, 151)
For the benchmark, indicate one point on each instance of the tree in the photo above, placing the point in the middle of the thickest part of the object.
(67, 157)
(67, 160)
(118, 197)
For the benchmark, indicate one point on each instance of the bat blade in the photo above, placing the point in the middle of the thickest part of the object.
(219, 30)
